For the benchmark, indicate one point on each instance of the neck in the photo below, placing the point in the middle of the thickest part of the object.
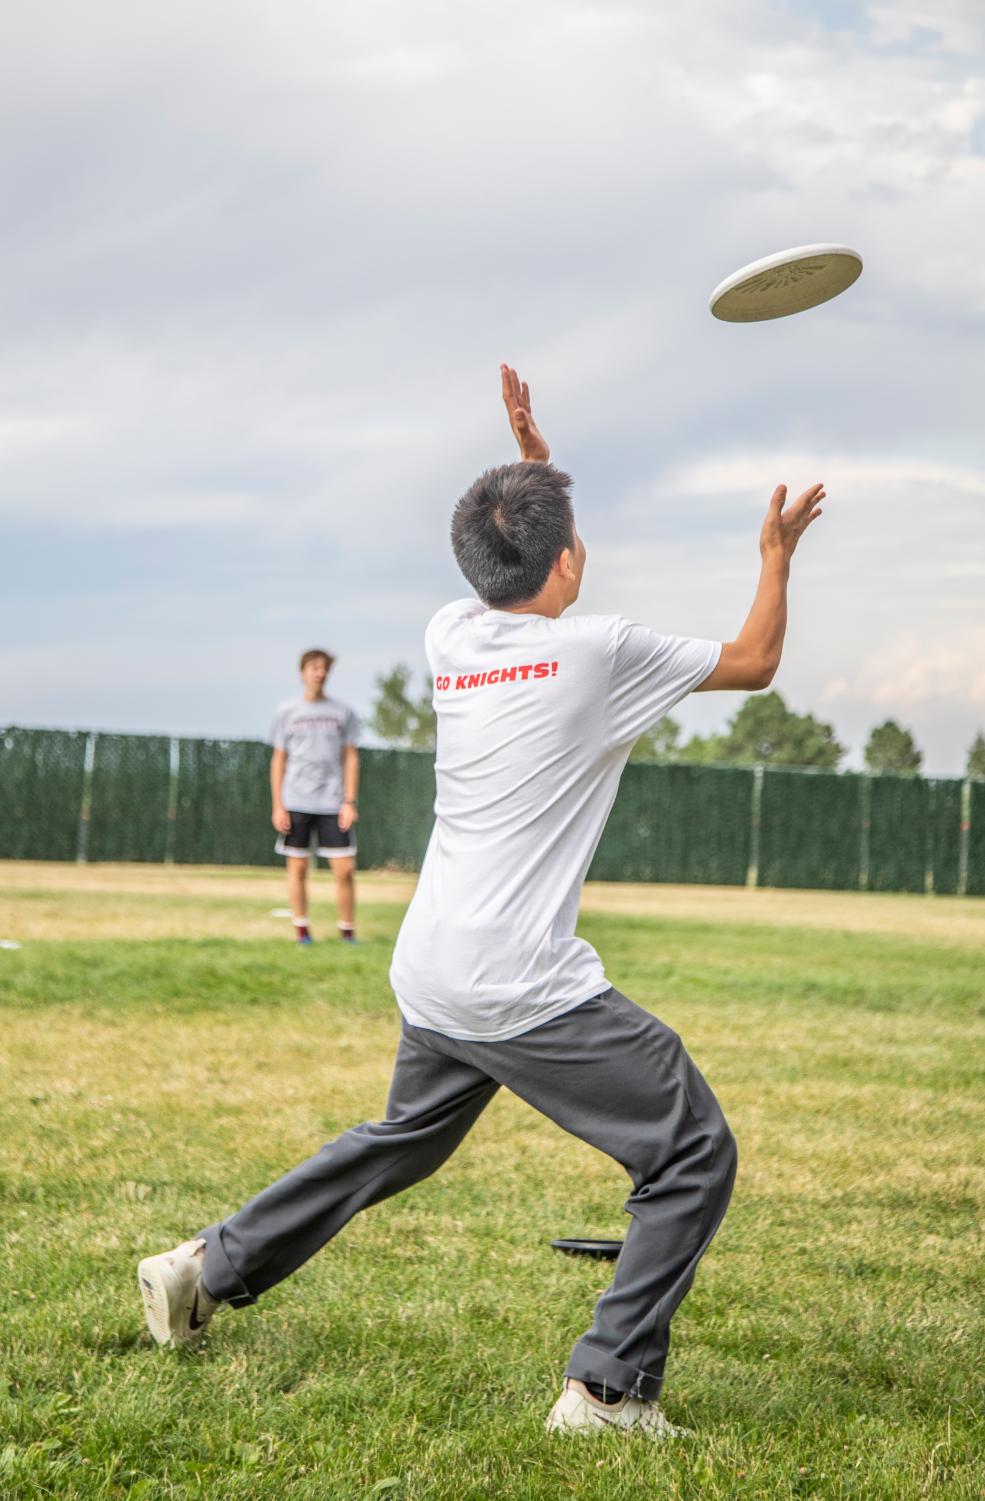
(543, 604)
(314, 694)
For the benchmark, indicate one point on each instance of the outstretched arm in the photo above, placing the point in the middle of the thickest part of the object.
(516, 397)
(751, 660)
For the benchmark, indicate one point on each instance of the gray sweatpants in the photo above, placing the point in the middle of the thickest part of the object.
(608, 1072)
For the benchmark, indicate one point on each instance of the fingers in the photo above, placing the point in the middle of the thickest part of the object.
(802, 504)
(511, 383)
(510, 388)
(807, 507)
(809, 497)
(799, 512)
(515, 393)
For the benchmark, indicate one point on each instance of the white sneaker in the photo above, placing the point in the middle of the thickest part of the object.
(176, 1305)
(576, 1410)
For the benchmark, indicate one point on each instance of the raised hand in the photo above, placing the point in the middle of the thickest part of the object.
(516, 397)
(784, 526)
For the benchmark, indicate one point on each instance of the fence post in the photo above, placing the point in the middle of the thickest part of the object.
(755, 810)
(964, 838)
(85, 809)
(865, 809)
(170, 827)
(928, 862)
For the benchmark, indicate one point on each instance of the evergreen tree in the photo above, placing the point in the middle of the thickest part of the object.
(976, 756)
(398, 718)
(660, 743)
(891, 748)
(764, 729)
(703, 750)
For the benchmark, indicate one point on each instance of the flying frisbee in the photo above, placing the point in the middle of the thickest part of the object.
(789, 282)
(601, 1250)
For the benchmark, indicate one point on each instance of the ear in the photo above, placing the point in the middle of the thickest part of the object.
(566, 563)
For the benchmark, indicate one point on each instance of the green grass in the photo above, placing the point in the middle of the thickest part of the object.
(831, 1346)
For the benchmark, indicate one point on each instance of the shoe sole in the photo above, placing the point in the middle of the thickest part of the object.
(154, 1292)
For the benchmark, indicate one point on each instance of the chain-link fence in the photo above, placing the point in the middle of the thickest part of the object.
(77, 795)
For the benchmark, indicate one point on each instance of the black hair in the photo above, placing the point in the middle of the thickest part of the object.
(509, 529)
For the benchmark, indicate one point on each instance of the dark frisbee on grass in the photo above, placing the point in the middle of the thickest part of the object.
(600, 1250)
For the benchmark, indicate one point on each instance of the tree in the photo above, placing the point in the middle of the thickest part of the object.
(891, 748)
(658, 744)
(976, 756)
(703, 750)
(764, 729)
(399, 719)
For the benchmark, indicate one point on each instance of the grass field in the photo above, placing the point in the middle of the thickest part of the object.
(166, 1051)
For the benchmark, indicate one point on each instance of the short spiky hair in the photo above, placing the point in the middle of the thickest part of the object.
(509, 529)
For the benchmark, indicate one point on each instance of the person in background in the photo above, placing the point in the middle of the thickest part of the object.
(314, 783)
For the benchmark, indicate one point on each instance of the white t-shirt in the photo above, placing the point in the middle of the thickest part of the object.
(314, 735)
(536, 719)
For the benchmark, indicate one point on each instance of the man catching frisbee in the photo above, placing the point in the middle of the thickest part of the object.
(537, 714)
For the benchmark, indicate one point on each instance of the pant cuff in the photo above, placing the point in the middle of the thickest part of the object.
(221, 1279)
(589, 1363)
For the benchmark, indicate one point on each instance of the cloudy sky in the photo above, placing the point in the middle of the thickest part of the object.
(261, 261)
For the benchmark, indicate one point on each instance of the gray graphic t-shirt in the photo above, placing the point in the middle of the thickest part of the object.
(313, 734)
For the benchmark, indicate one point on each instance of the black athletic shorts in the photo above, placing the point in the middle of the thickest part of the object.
(320, 828)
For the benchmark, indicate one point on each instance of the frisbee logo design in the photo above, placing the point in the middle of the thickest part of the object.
(783, 276)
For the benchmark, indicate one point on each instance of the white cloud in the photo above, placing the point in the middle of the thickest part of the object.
(906, 673)
(742, 473)
(948, 25)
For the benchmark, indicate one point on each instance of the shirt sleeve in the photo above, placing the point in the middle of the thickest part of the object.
(353, 728)
(650, 674)
(278, 730)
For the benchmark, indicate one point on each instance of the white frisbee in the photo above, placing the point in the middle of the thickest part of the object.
(789, 282)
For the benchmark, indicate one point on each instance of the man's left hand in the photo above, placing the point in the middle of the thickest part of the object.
(348, 815)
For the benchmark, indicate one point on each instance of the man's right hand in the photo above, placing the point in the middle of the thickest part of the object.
(783, 529)
(533, 445)
(281, 820)
(751, 660)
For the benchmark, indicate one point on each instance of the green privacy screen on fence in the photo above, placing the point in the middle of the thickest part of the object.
(67, 795)
(974, 836)
(222, 806)
(810, 830)
(128, 810)
(42, 776)
(678, 825)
